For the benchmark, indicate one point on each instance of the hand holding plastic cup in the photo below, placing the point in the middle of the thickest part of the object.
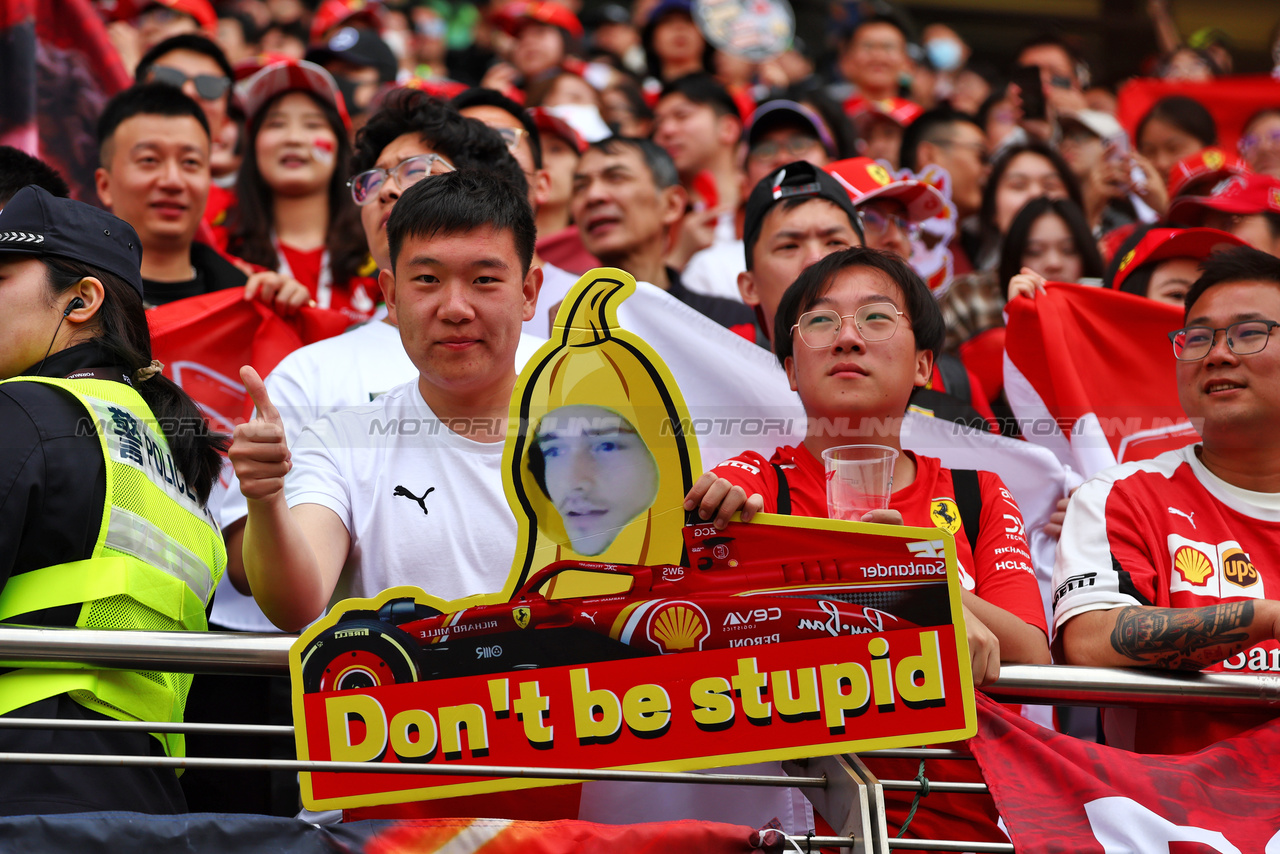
(859, 480)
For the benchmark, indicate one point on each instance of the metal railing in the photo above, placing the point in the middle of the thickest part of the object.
(842, 789)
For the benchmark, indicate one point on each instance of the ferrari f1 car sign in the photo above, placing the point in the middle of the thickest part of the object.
(640, 642)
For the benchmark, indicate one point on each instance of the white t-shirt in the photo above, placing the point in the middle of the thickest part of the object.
(424, 506)
(555, 287)
(347, 370)
(714, 271)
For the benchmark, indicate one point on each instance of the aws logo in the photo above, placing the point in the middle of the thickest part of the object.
(1238, 569)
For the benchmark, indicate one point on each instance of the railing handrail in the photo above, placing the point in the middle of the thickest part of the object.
(268, 654)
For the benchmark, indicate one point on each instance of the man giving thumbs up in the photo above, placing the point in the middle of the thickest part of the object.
(407, 490)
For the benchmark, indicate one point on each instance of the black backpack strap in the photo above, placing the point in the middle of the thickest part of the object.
(955, 377)
(784, 491)
(969, 503)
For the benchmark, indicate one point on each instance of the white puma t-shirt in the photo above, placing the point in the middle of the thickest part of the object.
(424, 506)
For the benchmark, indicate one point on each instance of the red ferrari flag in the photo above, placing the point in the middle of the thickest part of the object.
(1089, 373)
(203, 341)
(1231, 100)
(1057, 793)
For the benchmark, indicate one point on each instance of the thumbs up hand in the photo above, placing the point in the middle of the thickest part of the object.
(259, 453)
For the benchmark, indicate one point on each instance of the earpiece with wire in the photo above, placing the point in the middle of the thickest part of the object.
(71, 306)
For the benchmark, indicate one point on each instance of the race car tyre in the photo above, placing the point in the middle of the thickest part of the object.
(359, 654)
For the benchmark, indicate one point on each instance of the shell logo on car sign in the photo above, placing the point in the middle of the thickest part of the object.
(1192, 564)
(678, 626)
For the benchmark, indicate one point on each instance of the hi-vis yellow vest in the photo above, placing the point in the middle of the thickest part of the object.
(157, 560)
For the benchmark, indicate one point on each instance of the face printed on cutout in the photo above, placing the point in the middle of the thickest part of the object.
(597, 471)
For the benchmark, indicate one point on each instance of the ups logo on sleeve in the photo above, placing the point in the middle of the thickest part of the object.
(1238, 569)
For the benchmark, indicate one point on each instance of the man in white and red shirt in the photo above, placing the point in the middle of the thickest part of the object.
(856, 333)
(1173, 562)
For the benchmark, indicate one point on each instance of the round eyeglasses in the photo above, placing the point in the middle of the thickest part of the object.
(878, 222)
(366, 185)
(1244, 338)
(875, 322)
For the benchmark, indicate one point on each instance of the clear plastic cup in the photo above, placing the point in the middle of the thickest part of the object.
(859, 479)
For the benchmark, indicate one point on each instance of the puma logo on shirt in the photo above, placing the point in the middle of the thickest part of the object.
(422, 502)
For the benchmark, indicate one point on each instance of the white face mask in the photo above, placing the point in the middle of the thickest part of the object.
(944, 54)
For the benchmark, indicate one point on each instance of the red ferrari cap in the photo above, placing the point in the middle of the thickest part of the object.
(515, 15)
(867, 179)
(335, 13)
(289, 76)
(1198, 172)
(1161, 244)
(201, 10)
(898, 110)
(549, 123)
(1240, 194)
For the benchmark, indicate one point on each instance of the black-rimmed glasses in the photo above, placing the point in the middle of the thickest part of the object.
(1244, 338)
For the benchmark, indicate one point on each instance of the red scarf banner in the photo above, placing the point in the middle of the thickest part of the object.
(203, 341)
(1089, 373)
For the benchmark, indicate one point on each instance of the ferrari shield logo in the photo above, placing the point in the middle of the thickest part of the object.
(945, 514)
(521, 615)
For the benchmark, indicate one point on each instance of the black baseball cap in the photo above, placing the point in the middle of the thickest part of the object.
(36, 222)
(795, 180)
(358, 46)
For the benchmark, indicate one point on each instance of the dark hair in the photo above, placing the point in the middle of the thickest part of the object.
(1015, 242)
(120, 327)
(891, 20)
(1186, 114)
(1166, 61)
(478, 97)
(249, 29)
(701, 88)
(290, 29)
(922, 309)
(842, 131)
(990, 235)
(932, 126)
(1241, 264)
(1051, 40)
(1139, 280)
(651, 60)
(661, 167)
(193, 42)
(1260, 114)
(464, 142)
(250, 223)
(630, 89)
(18, 169)
(145, 99)
(752, 240)
(462, 201)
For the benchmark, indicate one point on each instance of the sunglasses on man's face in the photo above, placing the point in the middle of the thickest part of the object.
(210, 87)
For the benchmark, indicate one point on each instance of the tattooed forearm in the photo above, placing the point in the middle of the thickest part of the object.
(1182, 638)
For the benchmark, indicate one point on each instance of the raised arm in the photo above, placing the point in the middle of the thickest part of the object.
(292, 558)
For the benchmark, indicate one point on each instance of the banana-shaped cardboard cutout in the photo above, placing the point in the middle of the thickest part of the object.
(595, 468)
(599, 465)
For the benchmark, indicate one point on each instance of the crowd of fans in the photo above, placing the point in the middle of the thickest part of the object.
(267, 146)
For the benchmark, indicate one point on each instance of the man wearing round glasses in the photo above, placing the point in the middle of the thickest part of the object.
(1172, 562)
(857, 332)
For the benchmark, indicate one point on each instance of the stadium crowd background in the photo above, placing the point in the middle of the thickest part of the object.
(639, 137)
